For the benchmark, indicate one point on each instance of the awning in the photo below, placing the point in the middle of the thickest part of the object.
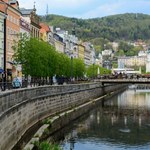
(1, 70)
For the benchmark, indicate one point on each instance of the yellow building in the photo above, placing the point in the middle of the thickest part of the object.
(59, 44)
(44, 32)
(81, 50)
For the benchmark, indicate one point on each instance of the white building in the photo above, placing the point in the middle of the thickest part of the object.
(24, 26)
(89, 54)
(71, 42)
(142, 53)
(115, 45)
(132, 61)
(148, 61)
(107, 52)
(99, 60)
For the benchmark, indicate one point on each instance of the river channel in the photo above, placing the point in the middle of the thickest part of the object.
(123, 122)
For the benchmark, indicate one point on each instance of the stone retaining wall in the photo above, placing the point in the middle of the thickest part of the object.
(22, 108)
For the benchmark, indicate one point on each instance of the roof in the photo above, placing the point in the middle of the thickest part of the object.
(45, 27)
(13, 2)
(25, 11)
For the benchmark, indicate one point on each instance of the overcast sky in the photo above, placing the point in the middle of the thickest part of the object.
(88, 8)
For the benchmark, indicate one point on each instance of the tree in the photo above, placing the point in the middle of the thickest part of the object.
(78, 68)
(92, 71)
(39, 59)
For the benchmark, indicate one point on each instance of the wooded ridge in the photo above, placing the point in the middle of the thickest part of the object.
(127, 26)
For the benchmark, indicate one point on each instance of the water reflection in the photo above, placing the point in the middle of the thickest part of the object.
(123, 123)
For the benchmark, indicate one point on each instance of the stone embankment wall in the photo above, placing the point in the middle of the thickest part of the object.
(20, 109)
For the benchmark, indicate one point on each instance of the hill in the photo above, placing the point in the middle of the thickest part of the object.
(127, 26)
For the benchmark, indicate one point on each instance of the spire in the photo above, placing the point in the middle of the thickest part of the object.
(34, 9)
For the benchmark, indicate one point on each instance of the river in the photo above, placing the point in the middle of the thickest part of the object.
(122, 123)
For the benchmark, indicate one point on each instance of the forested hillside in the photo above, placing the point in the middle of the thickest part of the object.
(116, 27)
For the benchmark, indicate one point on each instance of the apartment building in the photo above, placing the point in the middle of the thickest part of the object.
(89, 54)
(11, 8)
(31, 17)
(24, 27)
(2, 17)
(58, 43)
(81, 50)
(132, 61)
(44, 32)
(71, 42)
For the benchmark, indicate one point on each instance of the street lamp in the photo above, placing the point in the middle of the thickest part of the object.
(70, 54)
(71, 69)
(93, 71)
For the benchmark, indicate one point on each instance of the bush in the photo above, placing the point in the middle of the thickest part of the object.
(47, 146)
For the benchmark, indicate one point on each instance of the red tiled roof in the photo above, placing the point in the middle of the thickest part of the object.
(45, 27)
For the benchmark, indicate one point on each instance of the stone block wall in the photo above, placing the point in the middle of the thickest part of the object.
(22, 108)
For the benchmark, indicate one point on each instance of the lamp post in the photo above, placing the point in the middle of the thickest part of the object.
(70, 55)
(71, 69)
(93, 71)
(4, 67)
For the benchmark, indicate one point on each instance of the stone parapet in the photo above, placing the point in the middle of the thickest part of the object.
(20, 109)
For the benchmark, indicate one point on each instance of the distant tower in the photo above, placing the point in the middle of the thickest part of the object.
(46, 13)
(47, 10)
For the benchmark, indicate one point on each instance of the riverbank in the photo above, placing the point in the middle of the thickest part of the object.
(53, 124)
(21, 109)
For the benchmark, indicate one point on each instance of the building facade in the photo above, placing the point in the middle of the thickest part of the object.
(2, 17)
(89, 54)
(81, 50)
(12, 32)
(132, 61)
(31, 17)
(58, 43)
(24, 27)
(44, 32)
(148, 61)
(71, 43)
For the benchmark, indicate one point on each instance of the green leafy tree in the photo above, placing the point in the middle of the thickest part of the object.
(78, 68)
(39, 59)
(92, 71)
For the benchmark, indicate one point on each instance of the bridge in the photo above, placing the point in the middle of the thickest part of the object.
(124, 81)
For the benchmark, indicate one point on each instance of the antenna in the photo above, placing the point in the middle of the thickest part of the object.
(46, 12)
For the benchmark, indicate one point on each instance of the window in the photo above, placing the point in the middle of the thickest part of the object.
(14, 20)
(8, 17)
(17, 21)
(11, 18)
(2, 61)
(1, 26)
(2, 44)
